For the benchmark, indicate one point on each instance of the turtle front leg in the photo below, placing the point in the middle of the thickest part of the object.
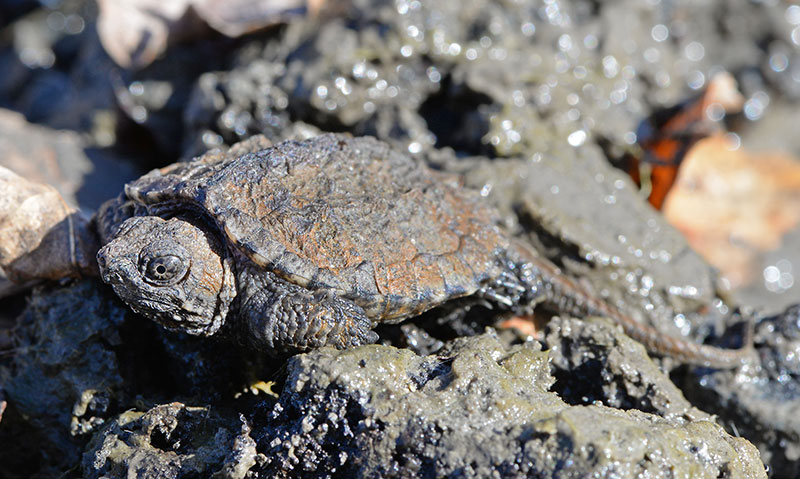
(276, 314)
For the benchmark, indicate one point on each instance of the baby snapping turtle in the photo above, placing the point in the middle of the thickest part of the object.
(315, 242)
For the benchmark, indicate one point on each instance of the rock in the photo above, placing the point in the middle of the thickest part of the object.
(65, 378)
(81, 357)
(762, 402)
(593, 362)
(170, 441)
(136, 32)
(53, 175)
(41, 236)
(476, 409)
(84, 176)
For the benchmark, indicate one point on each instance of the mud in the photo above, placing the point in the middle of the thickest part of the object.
(762, 406)
(64, 379)
(476, 409)
(170, 441)
(80, 357)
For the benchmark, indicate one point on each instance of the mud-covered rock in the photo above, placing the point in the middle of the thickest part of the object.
(762, 403)
(503, 79)
(759, 44)
(172, 441)
(80, 357)
(770, 295)
(64, 379)
(476, 409)
(593, 361)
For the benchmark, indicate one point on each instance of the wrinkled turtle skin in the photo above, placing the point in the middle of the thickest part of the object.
(313, 243)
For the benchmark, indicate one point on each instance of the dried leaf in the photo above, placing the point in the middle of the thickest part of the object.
(669, 134)
(732, 205)
(526, 325)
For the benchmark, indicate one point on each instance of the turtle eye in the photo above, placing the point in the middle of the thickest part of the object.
(164, 270)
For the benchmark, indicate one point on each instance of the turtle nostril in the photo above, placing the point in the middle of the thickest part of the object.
(112, 277)
(101, 260)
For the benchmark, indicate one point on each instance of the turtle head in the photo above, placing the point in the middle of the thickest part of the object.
(171, 271)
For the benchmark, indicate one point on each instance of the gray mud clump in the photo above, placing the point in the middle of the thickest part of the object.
(763, 407)
(594, 363)
(82, 358)
(476, 409)
(500, 79)
(170, 441)
(68, 381)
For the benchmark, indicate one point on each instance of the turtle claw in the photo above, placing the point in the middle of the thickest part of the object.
(360, 335)
(354, 329)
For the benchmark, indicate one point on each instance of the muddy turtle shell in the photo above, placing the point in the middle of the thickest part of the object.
(348, 215)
